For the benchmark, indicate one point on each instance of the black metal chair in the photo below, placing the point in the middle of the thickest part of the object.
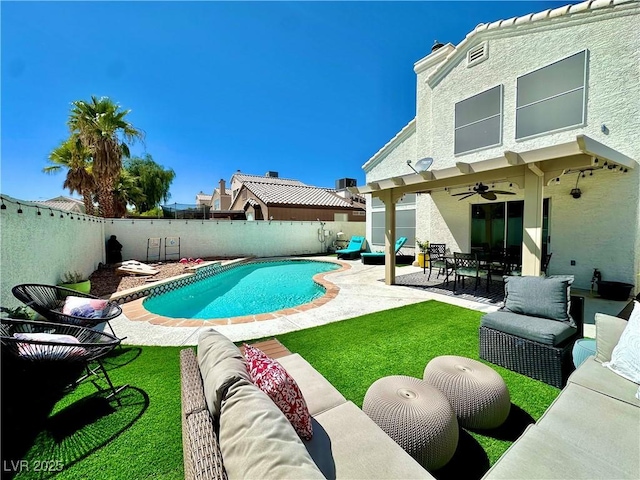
(47, 343)
(48, 301)
(437, 260)
(468, 265)
(545, 263)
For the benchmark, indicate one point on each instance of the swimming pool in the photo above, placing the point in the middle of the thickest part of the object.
(247, 289)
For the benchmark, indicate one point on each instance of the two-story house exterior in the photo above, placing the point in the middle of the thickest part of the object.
(544, 107)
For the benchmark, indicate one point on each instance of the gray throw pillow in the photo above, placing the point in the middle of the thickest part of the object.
(545, 297)
(221, 365)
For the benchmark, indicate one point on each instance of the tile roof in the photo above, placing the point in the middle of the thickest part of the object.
(300, 194)
(63, 203)
(262, 179)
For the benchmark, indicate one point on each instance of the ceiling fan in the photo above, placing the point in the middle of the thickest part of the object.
(483, 190)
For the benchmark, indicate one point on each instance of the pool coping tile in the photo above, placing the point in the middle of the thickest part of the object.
(134, 309)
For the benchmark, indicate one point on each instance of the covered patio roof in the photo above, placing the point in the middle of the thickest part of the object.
(528, 169)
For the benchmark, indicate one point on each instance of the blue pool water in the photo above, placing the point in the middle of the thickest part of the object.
(244, 290)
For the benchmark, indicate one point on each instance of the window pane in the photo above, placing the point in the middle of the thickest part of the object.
(557, 78)
(405, 227)
(408, 199)
(564, 111)
(479, 107)
(478, 135)
(376, 202)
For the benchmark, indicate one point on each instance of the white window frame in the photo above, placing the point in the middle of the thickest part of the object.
(584, 98)
(500, 115)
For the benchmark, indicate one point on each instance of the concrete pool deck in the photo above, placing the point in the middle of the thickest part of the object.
(361, 290)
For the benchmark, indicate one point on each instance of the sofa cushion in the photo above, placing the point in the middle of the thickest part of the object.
(608, 331)
(536, 329)
(540, 454)
(594, 376)
(221, 364)
(598, 426)
(361, 449)
(256, 439)
(319, 394)
(545, 297)
(273, 379)
(625, 358)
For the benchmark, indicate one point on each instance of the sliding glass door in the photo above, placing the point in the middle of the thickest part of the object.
(499, 225)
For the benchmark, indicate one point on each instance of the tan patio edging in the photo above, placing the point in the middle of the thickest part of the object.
(135, 311)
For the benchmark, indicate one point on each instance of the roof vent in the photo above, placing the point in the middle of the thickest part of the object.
(477, 54)
(436, 46)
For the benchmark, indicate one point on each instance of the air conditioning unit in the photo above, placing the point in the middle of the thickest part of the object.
(344, 183)
(271, 174)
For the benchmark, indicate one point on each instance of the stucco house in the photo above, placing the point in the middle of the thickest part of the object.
(544, 107)
(270, 197)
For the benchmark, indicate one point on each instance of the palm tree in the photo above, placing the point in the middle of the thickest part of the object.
(102, 128)
(126, 192)
(73, 156)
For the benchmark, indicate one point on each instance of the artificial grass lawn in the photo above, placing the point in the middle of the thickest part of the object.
(353, 354)
(93, 438)
(143, 437)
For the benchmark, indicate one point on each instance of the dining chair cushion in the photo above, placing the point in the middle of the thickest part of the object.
(536, 329)
(545, 297)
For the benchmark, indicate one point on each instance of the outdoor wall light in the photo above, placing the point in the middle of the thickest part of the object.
(576, 193)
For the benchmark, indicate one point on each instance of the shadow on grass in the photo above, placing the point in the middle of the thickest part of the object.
(31, 436)
(514, 426)
(470, 461)
(120, 356)
(72, 434)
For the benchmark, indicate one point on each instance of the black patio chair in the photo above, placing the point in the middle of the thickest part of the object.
(48, 301)
(437, 260)
(47, 343)
(468, 265)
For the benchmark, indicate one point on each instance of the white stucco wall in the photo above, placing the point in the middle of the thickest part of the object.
(601, 229)
(40, 248)
(224, 238)
(394, 161)
(613, 81)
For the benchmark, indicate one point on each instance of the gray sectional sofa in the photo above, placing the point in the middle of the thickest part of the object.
(592, 430)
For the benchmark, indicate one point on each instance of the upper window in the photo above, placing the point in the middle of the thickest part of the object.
(478, 122)
(552, 98)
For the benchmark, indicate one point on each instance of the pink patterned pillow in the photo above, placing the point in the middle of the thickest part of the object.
(273, 379)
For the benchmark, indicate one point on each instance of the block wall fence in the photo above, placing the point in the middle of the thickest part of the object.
(41, 248)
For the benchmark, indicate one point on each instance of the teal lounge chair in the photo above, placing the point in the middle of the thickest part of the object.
(356, 245)
(378, 257)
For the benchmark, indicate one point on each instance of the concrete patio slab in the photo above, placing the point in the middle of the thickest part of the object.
(361, 291)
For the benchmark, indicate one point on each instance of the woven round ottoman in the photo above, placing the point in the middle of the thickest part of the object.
(476, 392)
(417, 416)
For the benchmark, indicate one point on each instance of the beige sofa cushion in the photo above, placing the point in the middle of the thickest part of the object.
(360, 449)
(608, 332)
(256, 439)
(594, 376)
(319, 394)
(540, 454)
(596, 427)
(221, 364)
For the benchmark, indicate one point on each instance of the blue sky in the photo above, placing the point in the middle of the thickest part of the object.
(308, 89)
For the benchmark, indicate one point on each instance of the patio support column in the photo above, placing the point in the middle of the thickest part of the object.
(389, 201)
(532, 221)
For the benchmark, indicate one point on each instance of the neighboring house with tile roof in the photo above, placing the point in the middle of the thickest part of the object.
(221, 197)
(542, 108)
(269, 197)
(63, 203)
(203, 199)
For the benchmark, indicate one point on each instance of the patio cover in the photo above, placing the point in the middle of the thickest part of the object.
(530, 170)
